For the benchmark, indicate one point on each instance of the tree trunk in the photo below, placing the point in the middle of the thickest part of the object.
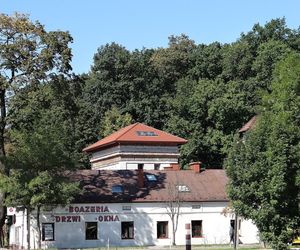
(28, 227)
(173, 232)
(236, 236)
(39, 227)
(2, 130)
(4, 169)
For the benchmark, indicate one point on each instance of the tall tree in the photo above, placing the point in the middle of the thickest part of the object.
(207, 113)
(264, 169)
(38, 162)
(173, 205)
(113, 121)
(60, 99)
(28, 54)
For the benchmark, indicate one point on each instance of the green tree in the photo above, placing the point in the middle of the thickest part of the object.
(173, 62)
(60, 101)
(237, 61)
(275, 30)
(264, 169)
(38, 162)
(113, 121)
(207, 61)
(207, 113)
(268, 54)
(28, 55)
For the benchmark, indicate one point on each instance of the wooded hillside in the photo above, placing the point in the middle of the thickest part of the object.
(201, 92)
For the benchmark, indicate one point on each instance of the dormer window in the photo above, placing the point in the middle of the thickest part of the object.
(117, 189)
(183, 188)
(151, 177)
(146, 133)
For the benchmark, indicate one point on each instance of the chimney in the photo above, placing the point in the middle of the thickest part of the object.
(175, 166)
(196, 166)
(141, 178)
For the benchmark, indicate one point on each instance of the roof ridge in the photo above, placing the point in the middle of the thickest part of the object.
(127, 130)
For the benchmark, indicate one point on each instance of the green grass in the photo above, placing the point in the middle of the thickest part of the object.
(195, 247)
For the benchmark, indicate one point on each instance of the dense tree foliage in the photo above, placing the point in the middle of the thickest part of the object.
(28, 55)
(264, 168)
(37, 162)
(203, 93)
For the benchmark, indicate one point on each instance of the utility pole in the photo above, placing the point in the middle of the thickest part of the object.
(235, 232)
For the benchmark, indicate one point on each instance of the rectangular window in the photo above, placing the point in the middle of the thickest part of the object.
(126, 208)
(183, 188)
(156, 166)
(91, 230)
(196, 206)
(146, 133)
(196, 228)
(162, 229)
(127, 230)
(232, 225)
(117, 189)
(47, 231)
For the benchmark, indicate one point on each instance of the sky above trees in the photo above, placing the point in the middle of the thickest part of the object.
(136, 24)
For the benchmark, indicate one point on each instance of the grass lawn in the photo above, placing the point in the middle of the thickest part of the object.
(197, 247)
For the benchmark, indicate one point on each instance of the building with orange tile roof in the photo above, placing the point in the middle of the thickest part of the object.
(136, 146)
(126, 200)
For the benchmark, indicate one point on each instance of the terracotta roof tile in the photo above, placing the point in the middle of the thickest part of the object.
(137, 133)
(209, 185)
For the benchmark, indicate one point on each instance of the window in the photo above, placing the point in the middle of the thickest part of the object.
(196, 228)
(91, 230)
(162, 229)
(196, 206)
(127, 230)
(117, 189)
(156, 166)
(183, 188)
(151, 177)
(232, 225)
(126, 208)
(146, 133)
(140, 166)
(47, 231)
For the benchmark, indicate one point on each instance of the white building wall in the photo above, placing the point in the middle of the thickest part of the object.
(132, 164)
(215, 225)
(128, 156)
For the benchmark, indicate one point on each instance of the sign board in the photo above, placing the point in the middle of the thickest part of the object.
(48, 231)
(11, 210)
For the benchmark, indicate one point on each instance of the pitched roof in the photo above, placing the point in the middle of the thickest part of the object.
(137, 133)
(250, 124)
(209, 185)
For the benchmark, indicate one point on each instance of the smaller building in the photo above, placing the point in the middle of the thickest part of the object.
(136, 146)
(132, 208)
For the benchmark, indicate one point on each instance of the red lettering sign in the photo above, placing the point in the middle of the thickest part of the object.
(67, 218)
(108, 218)
(88, 209)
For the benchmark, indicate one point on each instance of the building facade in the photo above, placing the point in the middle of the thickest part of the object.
(132, 208)
(130, 195)
(130, 224)
(136, 146)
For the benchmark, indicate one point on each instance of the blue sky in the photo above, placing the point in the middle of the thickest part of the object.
(148, 23)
